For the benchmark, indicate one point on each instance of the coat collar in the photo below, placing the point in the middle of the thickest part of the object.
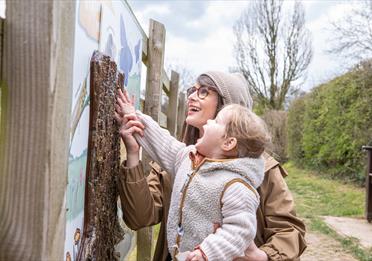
(197, 159)
(271, 163)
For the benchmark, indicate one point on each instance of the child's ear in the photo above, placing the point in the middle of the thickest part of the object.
(229, 144)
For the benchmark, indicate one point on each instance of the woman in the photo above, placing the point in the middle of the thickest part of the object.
(145, 200)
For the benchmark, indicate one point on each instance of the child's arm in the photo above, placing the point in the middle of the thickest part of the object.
(239, 225)
(159, 144)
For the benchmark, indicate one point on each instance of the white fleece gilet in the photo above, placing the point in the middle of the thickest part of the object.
(202, 202)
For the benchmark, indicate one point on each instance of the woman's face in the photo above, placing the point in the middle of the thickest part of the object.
(201, 110)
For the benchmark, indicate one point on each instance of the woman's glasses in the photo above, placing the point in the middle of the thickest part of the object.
(202, 91)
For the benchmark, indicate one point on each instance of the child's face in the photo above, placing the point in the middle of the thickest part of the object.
(210, 144)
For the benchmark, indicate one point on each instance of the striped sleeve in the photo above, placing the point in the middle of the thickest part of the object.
(239, 225)
(159, 144)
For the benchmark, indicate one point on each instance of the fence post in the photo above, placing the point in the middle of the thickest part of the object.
(173, 103)
(155, 58)
(369, 183)
(38, 58)
(181, 110)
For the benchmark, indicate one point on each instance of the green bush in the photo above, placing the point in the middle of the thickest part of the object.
(333, 122)
(295, 129)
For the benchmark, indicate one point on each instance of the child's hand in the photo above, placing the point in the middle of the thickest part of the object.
(124, 105)
(129, 124)
(195, 255)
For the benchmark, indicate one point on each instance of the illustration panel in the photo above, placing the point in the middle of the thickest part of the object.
(106, 26)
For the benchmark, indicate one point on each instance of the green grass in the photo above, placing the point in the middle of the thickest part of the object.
(155, 232)
(317, 196)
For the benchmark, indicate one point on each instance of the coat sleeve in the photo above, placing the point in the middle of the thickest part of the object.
(284, 232)
(141, 198)
(238, 229)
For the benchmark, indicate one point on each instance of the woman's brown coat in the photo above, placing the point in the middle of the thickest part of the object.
(280, 233)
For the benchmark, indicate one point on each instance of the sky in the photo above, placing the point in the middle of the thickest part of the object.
(2, 8)
(199, 34)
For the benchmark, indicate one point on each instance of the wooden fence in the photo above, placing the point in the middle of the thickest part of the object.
(36, 75)
(157, 81)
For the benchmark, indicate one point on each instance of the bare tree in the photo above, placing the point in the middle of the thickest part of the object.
(352, 35)
(272, 53)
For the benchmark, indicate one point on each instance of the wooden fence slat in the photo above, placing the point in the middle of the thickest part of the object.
(181, 110)
(155, 63)
(155, 58)
(166, 82)
(38, 55)
(173, 103)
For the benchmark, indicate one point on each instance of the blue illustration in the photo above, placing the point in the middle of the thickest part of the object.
(137, 50)
(126, 59)
(110, 48)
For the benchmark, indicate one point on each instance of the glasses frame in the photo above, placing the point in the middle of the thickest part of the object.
(197, 90)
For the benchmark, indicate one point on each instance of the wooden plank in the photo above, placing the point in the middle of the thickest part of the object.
(173, 103)
(155, 63)
(2, 21)
(154, 69)
(181, 110)
(145, 41)
(368, 211)
(165, 81)
(38, 58)
(163, 122)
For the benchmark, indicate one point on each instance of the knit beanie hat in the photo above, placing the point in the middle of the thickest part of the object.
(232, 87)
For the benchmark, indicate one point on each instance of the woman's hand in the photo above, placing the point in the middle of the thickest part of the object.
(253, 253)
(195, 255)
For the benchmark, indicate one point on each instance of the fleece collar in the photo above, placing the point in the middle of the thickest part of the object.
(249, 168)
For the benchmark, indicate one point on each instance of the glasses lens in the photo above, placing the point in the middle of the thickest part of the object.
(203, 92)
(190, 90)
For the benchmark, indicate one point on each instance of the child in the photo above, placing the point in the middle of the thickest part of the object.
(213, 205)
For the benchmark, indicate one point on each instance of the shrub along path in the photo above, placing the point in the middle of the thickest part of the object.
(317, 196)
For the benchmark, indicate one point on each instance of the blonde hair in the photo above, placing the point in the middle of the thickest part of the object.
(249, 130)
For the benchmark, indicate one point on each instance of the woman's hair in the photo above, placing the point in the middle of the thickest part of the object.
(190, 134)
(249, 130)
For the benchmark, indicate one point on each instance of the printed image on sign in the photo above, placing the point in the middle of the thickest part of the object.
(121, 40)
(109, 27)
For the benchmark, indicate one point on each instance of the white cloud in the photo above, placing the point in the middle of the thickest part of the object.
(214, 51)
(203, 39)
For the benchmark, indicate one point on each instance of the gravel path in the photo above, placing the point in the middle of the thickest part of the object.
(323, 248)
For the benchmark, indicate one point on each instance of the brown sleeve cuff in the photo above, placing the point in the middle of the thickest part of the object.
(202, 252)
(133, 174)
(271, 253)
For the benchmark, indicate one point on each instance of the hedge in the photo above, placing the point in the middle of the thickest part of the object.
(328, 126)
